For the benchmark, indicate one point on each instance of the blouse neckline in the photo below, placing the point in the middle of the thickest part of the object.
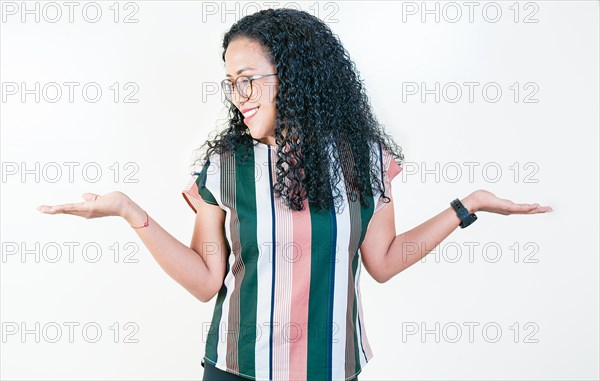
(257, 143)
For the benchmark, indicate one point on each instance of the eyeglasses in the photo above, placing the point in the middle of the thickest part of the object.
(243, 84)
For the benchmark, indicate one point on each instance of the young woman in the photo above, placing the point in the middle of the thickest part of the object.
(291, 199)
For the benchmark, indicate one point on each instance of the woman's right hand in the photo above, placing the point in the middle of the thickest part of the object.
(110, 204)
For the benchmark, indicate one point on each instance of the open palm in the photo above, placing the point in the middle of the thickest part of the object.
(110, 204)
(488, 202)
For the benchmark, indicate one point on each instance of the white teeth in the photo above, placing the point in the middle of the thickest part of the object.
(251, 112)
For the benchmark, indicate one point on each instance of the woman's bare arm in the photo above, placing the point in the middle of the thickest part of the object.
(200, 269)
(386, 254)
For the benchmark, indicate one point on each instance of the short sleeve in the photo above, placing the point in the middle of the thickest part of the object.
(196, 188)
(390, 168)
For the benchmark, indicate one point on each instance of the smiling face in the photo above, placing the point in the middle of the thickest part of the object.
(245, 57)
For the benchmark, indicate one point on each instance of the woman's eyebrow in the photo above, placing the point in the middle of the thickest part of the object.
(241, 70)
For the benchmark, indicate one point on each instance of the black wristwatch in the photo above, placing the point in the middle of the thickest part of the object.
(466, 218)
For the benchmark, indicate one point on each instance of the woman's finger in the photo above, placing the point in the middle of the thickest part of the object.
(47, 209)
(73, 208)
(90, 196)
(528, 209)
(541, 209)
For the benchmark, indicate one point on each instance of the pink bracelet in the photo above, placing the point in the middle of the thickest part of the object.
(145, 225)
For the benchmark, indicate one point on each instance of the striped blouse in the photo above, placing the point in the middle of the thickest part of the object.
(286, 311)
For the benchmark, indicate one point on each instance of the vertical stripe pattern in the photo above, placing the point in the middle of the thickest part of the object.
(290, 305)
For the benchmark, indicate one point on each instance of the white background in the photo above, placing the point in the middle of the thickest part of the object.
(174, 52)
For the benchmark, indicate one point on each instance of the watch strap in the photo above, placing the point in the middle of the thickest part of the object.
(466, 218)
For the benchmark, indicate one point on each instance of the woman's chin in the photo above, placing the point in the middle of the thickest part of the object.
(255, 133)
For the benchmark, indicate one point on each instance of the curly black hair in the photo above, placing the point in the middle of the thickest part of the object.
(321, 104)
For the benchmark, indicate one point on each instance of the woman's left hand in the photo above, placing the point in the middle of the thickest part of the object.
(488, 202)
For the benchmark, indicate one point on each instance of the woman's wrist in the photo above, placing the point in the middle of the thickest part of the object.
(133, 213)
(471, 203)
